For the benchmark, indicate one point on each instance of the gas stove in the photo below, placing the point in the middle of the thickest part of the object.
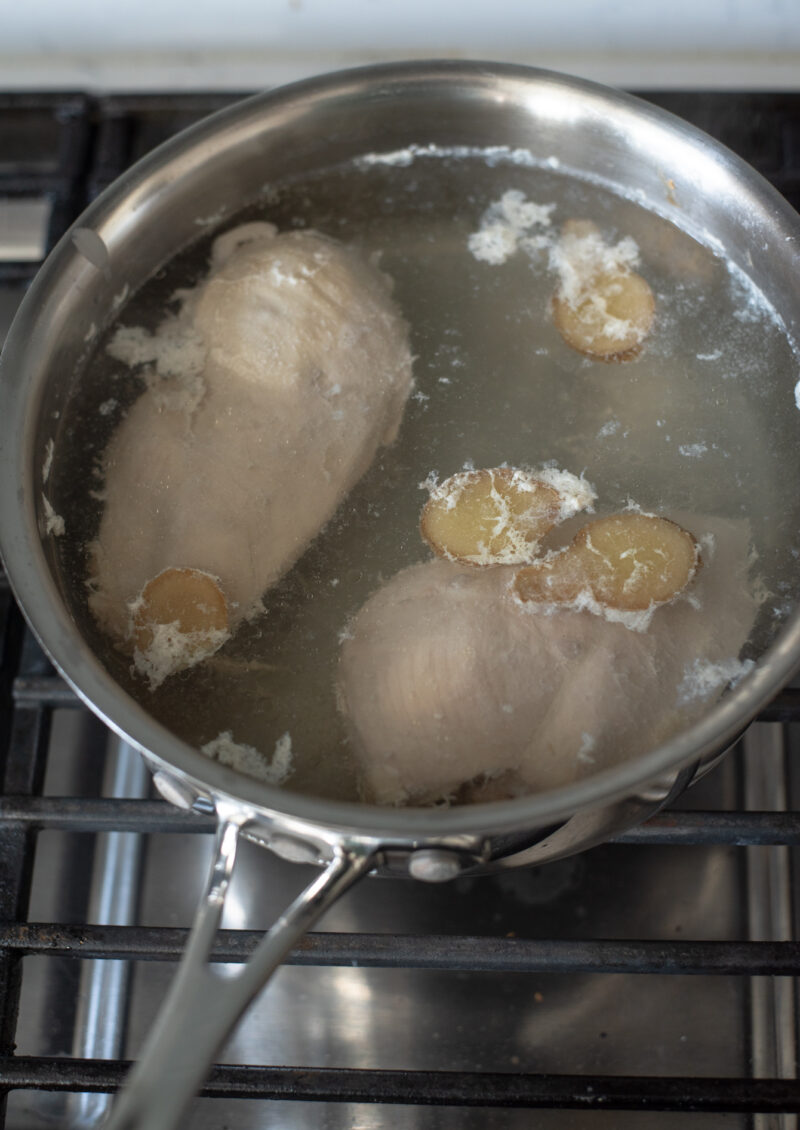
(648, 982)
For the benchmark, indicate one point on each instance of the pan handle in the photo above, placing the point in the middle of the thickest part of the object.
(202, 1008)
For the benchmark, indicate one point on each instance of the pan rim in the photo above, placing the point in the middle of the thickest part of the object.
(38, 595)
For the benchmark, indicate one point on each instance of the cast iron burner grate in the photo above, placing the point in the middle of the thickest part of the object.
(61, 151)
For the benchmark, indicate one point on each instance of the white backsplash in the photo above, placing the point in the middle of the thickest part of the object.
(250, 43)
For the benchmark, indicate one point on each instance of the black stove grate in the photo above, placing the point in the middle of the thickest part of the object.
(23, 813)
(66, 149)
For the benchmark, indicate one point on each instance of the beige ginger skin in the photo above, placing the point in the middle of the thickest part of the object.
(601, 307)
(628, 562)
(495, 516)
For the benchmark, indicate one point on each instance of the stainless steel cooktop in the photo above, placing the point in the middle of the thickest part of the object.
(648, 982)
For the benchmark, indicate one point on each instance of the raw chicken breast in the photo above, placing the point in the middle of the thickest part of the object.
(448, 683)
(266, 400)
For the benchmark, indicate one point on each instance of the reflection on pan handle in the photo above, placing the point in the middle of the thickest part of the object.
(202, 1008)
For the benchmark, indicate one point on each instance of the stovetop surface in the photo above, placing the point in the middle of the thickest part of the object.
(618, 989)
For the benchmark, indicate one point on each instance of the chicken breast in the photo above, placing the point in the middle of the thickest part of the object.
(266, 399)
(452, 688)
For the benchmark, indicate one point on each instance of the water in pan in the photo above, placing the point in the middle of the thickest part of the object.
(702, 421)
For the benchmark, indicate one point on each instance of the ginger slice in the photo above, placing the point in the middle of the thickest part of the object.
(490, 517)
(627, 562)
(601, 307)
(611, 321)
(191, 604)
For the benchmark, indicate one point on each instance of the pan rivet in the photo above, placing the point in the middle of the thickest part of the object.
(174, 791)
(433, 865)
(296, 851)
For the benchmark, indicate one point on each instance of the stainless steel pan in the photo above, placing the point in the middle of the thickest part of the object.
(135, 227)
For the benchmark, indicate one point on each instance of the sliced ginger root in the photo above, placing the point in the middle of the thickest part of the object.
(188, 599)
(611, 321)
(489, 517)
(628, 562)
(602, 308)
